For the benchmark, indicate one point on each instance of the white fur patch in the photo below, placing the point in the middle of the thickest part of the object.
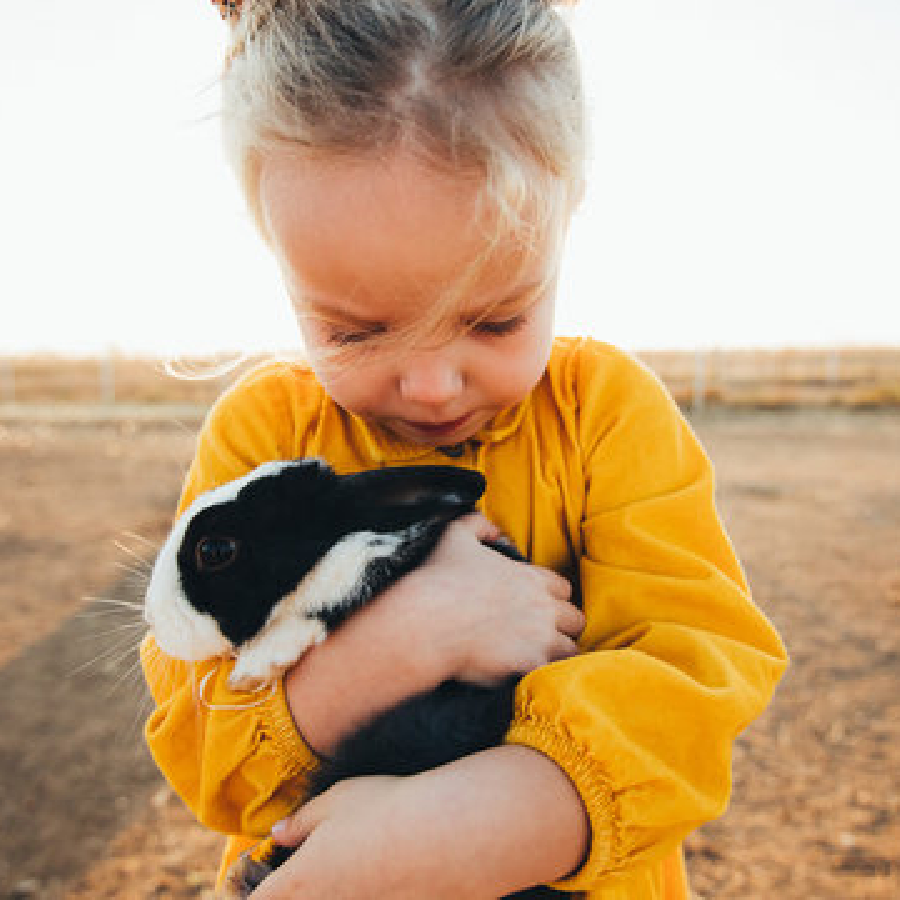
(289, 631)
(285, 638)
(339, 573)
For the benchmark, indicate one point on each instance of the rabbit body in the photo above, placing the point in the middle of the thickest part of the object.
(266, 566)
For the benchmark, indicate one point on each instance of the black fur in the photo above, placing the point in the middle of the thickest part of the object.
(283, 523)
(279, 540)
(265, 540)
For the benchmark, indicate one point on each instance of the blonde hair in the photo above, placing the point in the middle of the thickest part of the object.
(486, 88)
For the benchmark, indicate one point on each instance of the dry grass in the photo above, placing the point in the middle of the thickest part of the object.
(38, 380)
(850, 377)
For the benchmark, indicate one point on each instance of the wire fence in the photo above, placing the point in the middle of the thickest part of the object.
(771, 378)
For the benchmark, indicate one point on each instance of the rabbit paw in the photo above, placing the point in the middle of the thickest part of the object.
(263, 659)
(245, 875)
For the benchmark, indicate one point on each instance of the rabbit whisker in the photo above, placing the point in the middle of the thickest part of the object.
(109, 656)
(144, 563)
(141, 539)
(123, 679)
(113, 601)
(113, 660)
(129, 628)
(112, 616)
(142, 575)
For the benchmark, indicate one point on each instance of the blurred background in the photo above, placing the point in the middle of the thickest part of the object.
(744, 187)
(740, 234)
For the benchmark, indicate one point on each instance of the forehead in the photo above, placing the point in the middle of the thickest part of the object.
(362, 233)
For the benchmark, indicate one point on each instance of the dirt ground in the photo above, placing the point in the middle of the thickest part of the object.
(811, 500)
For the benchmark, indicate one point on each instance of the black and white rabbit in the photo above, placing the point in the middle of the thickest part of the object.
(263, 567)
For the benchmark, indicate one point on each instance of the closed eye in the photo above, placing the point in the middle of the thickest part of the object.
(342, 337)
(498, 327)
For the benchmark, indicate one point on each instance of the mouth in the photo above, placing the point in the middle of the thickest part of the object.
(438, 429)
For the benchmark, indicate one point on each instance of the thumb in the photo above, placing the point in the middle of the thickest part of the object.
(295, 828)
(480, 526)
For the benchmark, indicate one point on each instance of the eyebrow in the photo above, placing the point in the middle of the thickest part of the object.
(326, 311)
(518, 299)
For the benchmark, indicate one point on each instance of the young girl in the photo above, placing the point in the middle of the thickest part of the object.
(413, 165)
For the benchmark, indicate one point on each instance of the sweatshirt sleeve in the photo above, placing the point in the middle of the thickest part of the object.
(235, 758)
(676, 660)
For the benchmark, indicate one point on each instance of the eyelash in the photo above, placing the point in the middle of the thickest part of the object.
(486, 328)
(343, 338)
(491, 328)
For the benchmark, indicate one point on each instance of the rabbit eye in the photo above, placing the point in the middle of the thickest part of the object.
(214, 553)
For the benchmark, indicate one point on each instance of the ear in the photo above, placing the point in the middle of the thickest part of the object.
(386, 499)
(277, 490)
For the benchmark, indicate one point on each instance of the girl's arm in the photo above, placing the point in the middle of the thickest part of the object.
(677, 659)
(468, 613)
(464, 831)
(241, 761)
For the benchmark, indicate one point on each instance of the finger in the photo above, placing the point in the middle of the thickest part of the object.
(557, 585)
(570, 620)
(480, 526)
(563, 648)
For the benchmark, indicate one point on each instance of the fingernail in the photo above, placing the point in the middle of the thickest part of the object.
(279, 828)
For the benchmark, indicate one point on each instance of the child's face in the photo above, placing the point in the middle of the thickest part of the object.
(366, 246)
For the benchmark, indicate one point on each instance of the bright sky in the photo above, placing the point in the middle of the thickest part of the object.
(745, 184)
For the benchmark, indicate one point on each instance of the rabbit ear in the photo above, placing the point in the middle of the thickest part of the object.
(397, 496)
(278, 489)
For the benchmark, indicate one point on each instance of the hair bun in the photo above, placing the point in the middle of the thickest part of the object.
(231, 9)
(228, 9)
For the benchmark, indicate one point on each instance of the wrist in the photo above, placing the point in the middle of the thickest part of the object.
(416, 622)
(323, 688)
(500, 820)
(426, 610)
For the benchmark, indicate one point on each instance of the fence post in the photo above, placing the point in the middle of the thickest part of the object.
(108, 379)
(834, 366)
(699, 395)
(7, 381)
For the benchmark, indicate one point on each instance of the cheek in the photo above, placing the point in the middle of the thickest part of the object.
(331, 369)
(521, 376)
(359, 388)
(522, 363)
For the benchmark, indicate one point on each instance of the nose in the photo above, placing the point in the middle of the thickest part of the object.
(432, 378)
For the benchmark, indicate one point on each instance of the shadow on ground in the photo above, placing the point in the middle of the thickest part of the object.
(74, 763)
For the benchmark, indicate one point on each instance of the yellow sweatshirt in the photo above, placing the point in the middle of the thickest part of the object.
(595, 474)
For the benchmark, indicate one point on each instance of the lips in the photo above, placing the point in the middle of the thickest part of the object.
(438, 429)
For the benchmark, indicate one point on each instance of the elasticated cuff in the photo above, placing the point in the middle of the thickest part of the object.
(295, 757)
(592, 785)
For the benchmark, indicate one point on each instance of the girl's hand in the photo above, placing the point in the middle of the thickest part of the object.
(464, 831)
(468, 613)
(355, 841)
(335, 860)
(481, 615)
